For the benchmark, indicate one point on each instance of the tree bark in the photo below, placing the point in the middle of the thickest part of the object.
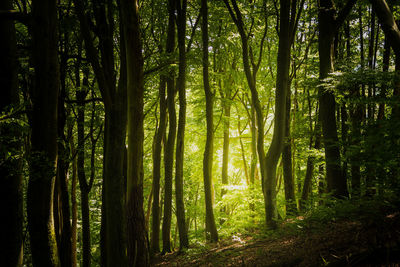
(81, 94)
(43, 156)
(74, 204)
(282, 87)
(388, 23)
(138, 254)
(287, 163)
(211, 229)
(155, 224)
(169, 149)
(113, 209)
(328, 27)
(226, 109)
(180, 138)
(61, 195)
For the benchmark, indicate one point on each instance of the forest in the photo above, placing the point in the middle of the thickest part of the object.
(204, 133)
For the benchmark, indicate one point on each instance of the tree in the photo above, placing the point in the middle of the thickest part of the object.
(251, 68)
(43, 156)
(180, 138)
(288, 24)
(84, 186)
(329, 24)
(169, 148)
(138, 254)
(389, 24)
(114, 97)
(211, 229)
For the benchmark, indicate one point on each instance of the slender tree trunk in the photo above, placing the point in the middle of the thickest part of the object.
(226, 106)
(282, 85)
(74, 204)
(385, 68)
(113, 241)
(245, 167)
(155, 225)
(211, 229)
(138, 254)
(370, 164)
(356, 116)
(10, 142)
(253, 159)
(84, 188)
(43, 156)
(61, 196)
(180, 144)
(287, 163)
(169, 149)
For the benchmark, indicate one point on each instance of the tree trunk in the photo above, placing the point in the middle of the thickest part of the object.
(180, 138)
(211, 229)
(84, 187)
(328, 27)
(43, 156)
(385, 68)
(282, 87)
(138, 254)
(155, 225)
(287, 163)
(113, 241)
(388, 23)
(310, 166)
(169, 149)
(74, 204)
(226, 106)
(61, 196)
(10, 167)
(253, 158)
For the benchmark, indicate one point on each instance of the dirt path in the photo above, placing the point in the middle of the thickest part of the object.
(344, 243)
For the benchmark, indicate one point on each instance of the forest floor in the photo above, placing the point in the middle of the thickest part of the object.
(367, 238)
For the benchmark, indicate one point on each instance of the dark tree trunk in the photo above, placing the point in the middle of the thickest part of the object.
(169, 149)
(74, 204)
(328, 27)
(180, 138)
(61, 195)
(43, 156)
(388, 23)
(138, 254)
(113, 241)
(385, 68)
(282, 87)
(287, 163)
(211, 229)
(10, 141)
(83, 185)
